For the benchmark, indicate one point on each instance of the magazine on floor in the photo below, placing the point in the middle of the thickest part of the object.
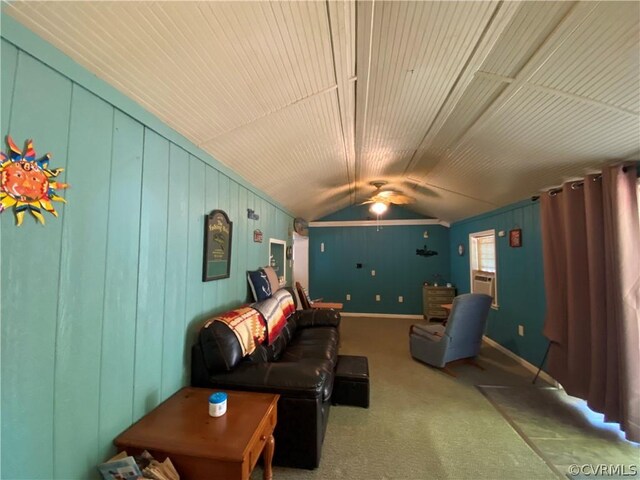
(120, 467)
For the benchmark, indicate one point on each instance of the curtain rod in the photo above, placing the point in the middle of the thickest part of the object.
(554, 191)
(574, 185)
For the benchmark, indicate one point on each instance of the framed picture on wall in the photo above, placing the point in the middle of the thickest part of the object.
(515, 237)
(217, 246)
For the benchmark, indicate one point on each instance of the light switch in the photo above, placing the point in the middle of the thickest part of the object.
(348, 296)
(322, 247)
(377, 298)
(521, 330)
(400, 299)
(373, 273)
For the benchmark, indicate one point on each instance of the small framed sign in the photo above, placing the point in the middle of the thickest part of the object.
(515, 237)
(257, 236)
(217, 246)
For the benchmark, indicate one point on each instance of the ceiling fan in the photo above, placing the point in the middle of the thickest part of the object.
(380, 199)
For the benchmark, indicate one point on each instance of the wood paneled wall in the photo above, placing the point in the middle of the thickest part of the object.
(100, 306)
(519, 276)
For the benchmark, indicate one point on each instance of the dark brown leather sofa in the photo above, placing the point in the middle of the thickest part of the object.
(299, 365)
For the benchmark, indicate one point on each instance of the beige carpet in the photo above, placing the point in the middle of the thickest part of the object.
(422, 424)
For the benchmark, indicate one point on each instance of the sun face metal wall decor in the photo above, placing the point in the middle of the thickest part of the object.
(28, 184)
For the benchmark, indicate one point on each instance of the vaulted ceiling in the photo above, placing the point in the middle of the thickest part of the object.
(466, 106)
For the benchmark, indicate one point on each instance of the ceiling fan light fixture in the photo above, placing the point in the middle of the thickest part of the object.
(378, 208)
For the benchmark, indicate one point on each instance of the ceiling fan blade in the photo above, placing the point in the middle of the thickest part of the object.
(384, 194)
(392, 197)
(402, 200)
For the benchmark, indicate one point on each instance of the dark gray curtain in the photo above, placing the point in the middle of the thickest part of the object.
(591, 247)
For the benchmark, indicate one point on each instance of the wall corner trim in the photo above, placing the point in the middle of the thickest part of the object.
(381, 223)
(532, 368)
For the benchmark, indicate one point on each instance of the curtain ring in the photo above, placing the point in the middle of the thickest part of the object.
(576, 185)
(552, 193)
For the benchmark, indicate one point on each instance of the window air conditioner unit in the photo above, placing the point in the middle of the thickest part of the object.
(484, 282)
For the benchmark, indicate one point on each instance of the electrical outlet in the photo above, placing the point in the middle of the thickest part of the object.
(400, 299)
(377, 298)
(373, 273)
(521, 330)
(348, 296)
(322, 247)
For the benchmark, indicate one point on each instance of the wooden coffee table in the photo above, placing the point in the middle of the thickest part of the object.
(201, 446)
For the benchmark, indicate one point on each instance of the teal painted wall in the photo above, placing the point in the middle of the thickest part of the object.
(389, 250)
(520, 276)
(99, 307)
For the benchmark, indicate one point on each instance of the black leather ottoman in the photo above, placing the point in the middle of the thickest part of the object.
(351, 384)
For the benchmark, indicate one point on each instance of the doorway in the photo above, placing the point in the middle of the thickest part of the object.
(301, 259)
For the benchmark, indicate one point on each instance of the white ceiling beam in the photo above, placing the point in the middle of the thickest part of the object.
(341, 19)
(499, 21)
(494, 77)
(580, 98)
(572, 20)
(560, 93)
(253, 120)
(365, 11)
(421, 183)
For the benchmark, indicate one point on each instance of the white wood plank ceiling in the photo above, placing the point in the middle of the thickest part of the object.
(466, 106)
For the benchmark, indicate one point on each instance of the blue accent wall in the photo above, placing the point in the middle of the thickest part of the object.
(390, 251)
(520, 276)
(100, 306)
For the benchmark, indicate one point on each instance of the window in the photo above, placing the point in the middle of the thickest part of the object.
(483, 265)
(484, 257)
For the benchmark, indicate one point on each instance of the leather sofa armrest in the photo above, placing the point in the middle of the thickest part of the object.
(317, 318)
(307, 378)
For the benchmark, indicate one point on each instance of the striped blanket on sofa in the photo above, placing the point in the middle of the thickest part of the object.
(275, 311)
(247, 325)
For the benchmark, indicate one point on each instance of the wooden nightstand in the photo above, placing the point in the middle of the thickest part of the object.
(433, 298)
(201, 446)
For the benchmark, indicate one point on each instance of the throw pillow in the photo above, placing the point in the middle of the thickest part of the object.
(273, 279)
(259, 283)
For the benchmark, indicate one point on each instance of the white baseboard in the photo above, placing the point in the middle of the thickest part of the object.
(532, 368)
(381, 315)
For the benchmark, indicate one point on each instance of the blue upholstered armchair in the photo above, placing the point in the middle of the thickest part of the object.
(438, 345)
